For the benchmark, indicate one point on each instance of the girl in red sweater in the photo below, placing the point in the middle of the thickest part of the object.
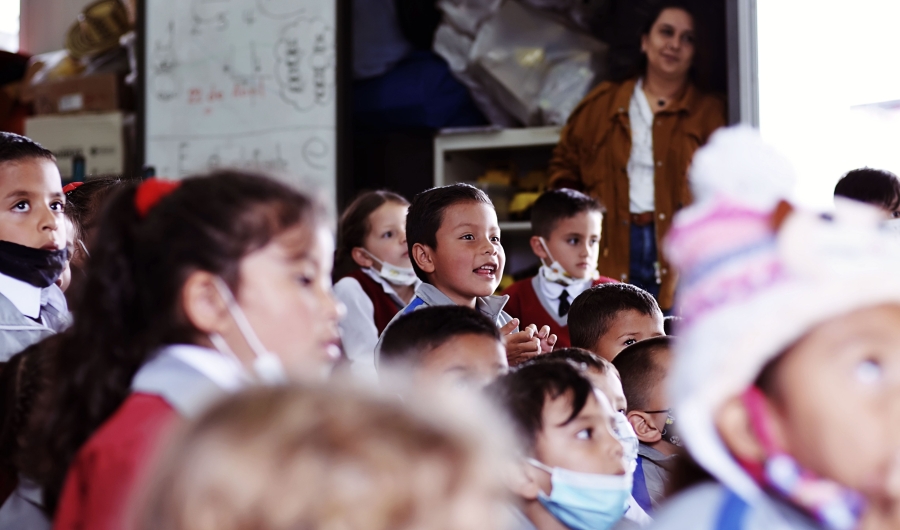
(193, 292)
(373, 275)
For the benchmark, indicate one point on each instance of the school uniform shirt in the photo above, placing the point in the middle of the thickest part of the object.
(536, 301)
(712, 506)
(652, 477)
(28, 315)
(371, 303)
(180, 381)
(428, 295)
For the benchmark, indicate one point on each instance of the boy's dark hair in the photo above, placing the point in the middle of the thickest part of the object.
(15, 147)
(577, 357)
(354, 227)
(670, 324)
(138, 268)
(426, 213)
(556, 205)
(594, 310)
(640, 370)
(413, 336)
(523, 393)
(873, 186)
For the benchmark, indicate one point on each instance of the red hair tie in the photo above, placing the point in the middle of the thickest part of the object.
(150, 192)
(70, 187)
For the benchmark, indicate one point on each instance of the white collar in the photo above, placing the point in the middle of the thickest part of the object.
(23, 295)
(223, 370)
(553, 290)
(386, 285)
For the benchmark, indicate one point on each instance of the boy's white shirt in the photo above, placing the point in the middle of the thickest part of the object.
(359, 334)
(23, 295)
(549, 292)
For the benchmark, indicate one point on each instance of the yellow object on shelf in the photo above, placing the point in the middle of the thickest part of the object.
(521, 202)
(501, 176)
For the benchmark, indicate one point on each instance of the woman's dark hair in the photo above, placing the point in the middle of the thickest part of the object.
(137, 271)
(354, 227)
(873, 186)
(698, 62)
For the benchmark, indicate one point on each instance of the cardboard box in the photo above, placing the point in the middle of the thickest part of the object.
(97, 137)
(91, 93)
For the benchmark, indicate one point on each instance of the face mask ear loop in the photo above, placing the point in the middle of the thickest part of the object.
(547, 250)
(755, 403)
(372, 256)
(239, 318)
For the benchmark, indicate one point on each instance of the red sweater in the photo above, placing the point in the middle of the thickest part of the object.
(525, 305)
(385, 306)
(98, 489)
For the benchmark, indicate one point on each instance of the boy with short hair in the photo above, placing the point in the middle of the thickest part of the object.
(573, 474)
(608, 318)
(451, 345)
(566, 227)
(33, 251)
(643, 367)
(454, 246)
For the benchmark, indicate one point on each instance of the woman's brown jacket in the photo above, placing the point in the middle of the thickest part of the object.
(593, 152)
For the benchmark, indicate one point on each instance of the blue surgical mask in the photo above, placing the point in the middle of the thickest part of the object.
(585, 501)
(629, 440)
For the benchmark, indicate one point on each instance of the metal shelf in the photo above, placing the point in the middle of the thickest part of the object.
(515, 226)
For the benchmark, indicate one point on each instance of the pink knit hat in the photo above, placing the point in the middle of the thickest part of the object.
(756, 276)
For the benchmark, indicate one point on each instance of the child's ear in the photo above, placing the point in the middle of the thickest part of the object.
(203, 305)
(522, 480)
(424, 257)
(538, 249)
(361, 258)
(736, 430)
(643, 426)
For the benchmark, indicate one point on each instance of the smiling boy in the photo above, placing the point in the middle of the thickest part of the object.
(566, 237)
(33, 251)
(608, 318)
(454, 245)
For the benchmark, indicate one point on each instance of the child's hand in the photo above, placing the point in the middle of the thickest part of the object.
(520, 346)
(548, 340)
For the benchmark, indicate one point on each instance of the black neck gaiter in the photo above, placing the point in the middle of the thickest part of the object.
(36, 266)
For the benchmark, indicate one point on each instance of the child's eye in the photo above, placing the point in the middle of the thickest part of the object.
(21, 206)
(869, 371)
(595, 241)
(305, 280)
(387, 235)
(495, 239)
(895, 214)
(585, 434)
(572, 241)
(58, 206)
(629, 342)
(468, 237)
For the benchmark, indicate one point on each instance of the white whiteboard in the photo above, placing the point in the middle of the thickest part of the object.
(241, 83)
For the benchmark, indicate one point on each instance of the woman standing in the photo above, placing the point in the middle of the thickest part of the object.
(629, 144)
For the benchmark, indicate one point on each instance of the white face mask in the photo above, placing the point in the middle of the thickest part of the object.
(629, 440)
(267, 366)
(557, 274)
(394, 274)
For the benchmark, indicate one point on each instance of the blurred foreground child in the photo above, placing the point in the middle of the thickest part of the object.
(198, 289)
(275, 459)
(786, 375)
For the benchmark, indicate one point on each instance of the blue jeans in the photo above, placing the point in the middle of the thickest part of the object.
(643, 258)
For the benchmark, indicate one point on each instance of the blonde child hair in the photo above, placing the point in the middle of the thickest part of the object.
(324, 458)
